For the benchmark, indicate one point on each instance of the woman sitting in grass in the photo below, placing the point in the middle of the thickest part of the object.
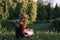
(21, 25)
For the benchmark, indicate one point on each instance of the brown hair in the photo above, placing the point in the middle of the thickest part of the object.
(24, 19)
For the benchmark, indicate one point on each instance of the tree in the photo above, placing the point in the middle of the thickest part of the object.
(48, 9)
(32, 10)
(4, 9)
(42, 14)
(13, 8)
(17, 7)
(57, 12)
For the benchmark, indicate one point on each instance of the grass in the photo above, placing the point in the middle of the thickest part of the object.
(38, 36)
(41, 33)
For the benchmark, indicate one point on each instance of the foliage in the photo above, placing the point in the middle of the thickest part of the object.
(15, 7)
(48, 9)
(42, 14)
(46, 12)
(32, 10)
(56, 24)
(57, 11)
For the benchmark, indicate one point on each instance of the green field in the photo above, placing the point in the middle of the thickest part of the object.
(38, 36)
(41, 33)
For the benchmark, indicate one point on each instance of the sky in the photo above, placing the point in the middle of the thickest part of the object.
(54, 2)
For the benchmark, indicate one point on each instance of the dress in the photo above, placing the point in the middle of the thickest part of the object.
(19, 31)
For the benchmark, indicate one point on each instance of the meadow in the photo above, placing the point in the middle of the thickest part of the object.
(43, 31)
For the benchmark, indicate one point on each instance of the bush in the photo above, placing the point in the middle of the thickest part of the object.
(56, 24)
(8, 24)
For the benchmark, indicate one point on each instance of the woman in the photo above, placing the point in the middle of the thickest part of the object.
(21, 25)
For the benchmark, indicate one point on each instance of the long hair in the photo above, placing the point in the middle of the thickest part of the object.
(23, 19)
